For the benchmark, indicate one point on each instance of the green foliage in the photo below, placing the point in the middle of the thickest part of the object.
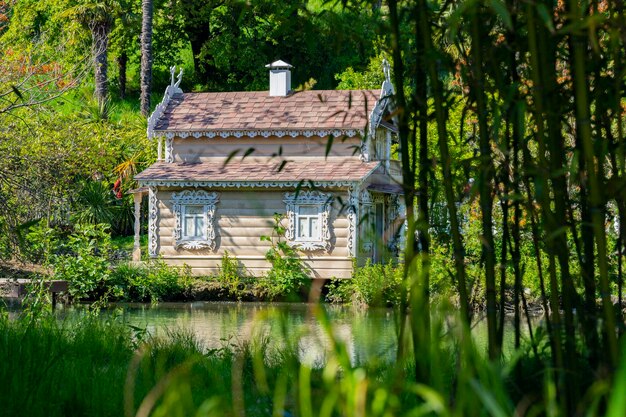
(83, 261)
(43, 242)
(288, 274)
(97, 367)
(231, 42)
(232, 275)
(371, 78)
(74, 369)
(51, 165)
(95, 203)
(37, 303)
(370, 285)
(151, 281)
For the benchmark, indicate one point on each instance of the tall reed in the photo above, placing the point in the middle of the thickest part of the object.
(543, 84)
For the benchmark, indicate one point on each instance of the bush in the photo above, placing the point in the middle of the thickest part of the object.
(288, 274)
(371, 285)
(83, 261)
(232, 276)
(152, 281)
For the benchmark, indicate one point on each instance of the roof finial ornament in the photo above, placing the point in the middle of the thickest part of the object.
(387, 70)
(179, 78)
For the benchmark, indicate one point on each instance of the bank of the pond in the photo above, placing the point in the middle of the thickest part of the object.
(373, 285)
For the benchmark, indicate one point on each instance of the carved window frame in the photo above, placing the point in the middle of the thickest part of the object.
(323, 203)
(207, 200)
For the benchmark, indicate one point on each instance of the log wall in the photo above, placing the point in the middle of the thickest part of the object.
(194, 150)
(241, 218)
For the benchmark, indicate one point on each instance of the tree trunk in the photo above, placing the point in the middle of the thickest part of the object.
(100, 35)
(122, 61)
(146, 56)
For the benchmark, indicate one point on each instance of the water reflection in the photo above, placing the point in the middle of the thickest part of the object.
(367, 334)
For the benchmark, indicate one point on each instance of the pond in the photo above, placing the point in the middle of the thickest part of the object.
(368, 334)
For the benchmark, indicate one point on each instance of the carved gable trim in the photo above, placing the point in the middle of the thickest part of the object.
(386, 92)
(170, 91)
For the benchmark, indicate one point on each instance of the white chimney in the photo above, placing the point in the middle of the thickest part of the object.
(280, 78)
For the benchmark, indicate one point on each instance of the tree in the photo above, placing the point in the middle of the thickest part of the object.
(37, 77)
(98, 17)
(124, 36)
(146, 55)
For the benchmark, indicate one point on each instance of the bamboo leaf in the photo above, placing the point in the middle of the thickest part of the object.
(282, 165)
(433, 399)
(248, 152)
(17, 92)
(499, 8)
(544, 15)
(617, 402)
(230, 156)
(488, 400)
(306, 408)
(329, 145)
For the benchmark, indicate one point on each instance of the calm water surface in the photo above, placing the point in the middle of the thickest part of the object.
(368, 334)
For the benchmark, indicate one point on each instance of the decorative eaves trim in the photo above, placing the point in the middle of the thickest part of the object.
(249, 184)
(183, 134)
(353, 220)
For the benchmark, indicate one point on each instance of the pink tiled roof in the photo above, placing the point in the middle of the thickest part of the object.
(305, 110)
(314, 169)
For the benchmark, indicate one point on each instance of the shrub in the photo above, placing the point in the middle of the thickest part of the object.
(152, 281)
(288, 273)
(371, 285)
(43, 242)
(232, 276)
(83, 260)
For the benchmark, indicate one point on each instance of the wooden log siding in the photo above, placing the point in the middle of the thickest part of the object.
(194, 150)
(241, 218)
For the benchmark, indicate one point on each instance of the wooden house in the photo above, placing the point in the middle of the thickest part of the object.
(228, 162)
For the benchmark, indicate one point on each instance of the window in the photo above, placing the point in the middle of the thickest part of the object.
(193, 226)
(308, 214)
(194, 213)
(308, 219)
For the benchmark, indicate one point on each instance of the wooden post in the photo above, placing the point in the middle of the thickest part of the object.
(137, 245)
(159, 150)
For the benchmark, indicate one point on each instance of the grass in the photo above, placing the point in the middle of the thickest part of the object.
(81, 368)
(127, 243)
(96, 367)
